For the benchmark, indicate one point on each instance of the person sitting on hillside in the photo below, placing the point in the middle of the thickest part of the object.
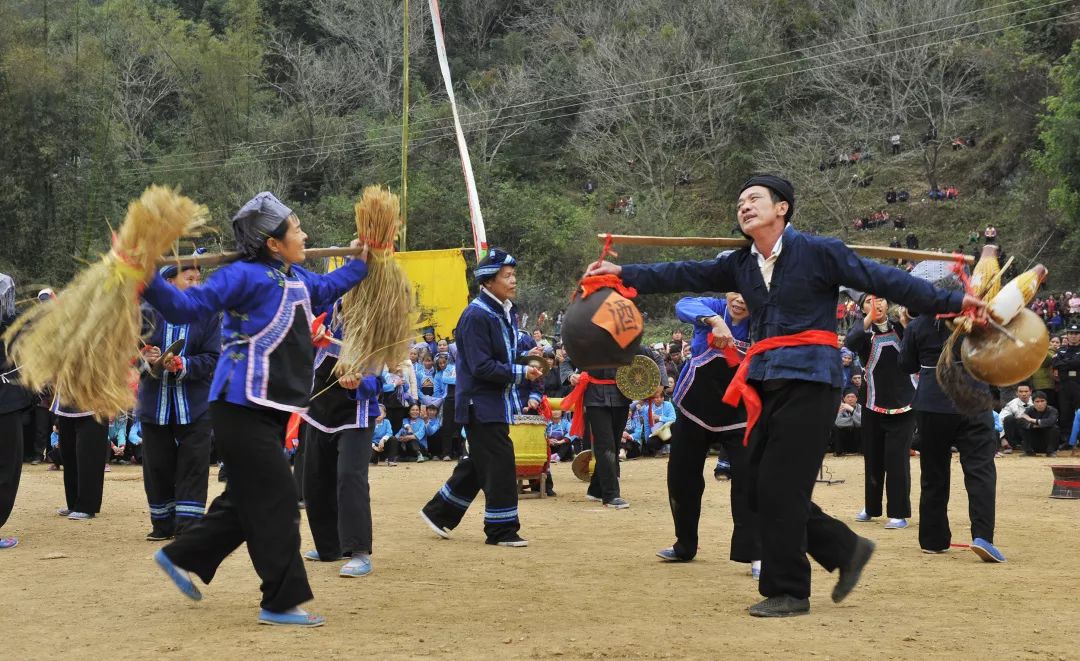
(898, 222)
(990, 234)
(958, 143)
(911, 241)
(894, 242)
(936, 194)
(951, 193)
(890, 196)
(903, 196)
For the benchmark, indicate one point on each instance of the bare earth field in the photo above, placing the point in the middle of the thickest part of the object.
(588, 586)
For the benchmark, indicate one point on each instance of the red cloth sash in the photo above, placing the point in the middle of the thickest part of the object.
(573, 402)
(739, 389)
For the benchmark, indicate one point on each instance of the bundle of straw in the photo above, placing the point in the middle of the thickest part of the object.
(85, 342)
(377, 313)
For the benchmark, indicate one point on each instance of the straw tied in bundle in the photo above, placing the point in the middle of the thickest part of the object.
(83, 342)
(378, 313)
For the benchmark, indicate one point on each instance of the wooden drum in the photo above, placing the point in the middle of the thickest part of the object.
(1066, 482)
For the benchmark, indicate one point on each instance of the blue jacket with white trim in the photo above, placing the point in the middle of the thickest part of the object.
(181, 397)
(487, 339)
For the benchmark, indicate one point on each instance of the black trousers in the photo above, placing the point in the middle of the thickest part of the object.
(786, 451)
(490, 466)
(1068, 402)
(175, 473)
(258, 506)
(449, 436)
(976, 441)
(1012, 431)
(887, 461)
(604, 425)
(690, 445)
(11, 461)
(338, 499)
(1040, 439)
(565, 451)
(84, 448)
(653, 446)
(846, 440)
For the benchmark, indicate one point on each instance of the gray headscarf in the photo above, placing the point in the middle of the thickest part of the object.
(255, 221)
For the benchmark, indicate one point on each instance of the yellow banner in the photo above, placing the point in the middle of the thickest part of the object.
(440, 287)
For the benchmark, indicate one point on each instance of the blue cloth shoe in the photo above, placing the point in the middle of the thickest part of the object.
(896, 524)
(755, 570)
(8, 542)
(290, 619)
(358, 566)
(863, 517)
(987, 551)
(178, 576)
(669, 555)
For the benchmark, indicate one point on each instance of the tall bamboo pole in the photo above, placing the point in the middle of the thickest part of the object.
(405, 128)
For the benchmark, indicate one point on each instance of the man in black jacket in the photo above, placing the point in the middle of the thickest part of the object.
(1038, 427)
(1067, 363)
(14, 400)
(942, 427)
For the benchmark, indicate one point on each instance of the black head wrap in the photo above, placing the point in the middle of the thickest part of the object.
(778, 185)
(256, 221)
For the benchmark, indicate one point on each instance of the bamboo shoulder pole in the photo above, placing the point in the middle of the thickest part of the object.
(722, 242)
(215, 259)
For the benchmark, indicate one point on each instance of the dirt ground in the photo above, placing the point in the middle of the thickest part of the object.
(588, 586)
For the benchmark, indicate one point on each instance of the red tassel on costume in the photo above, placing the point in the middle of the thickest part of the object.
(574, 402)
(319, 337)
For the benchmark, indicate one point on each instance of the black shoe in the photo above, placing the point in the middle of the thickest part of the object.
(512, 541)
(852, 571)
(156, 536)
(782, 606)
(1051, 454)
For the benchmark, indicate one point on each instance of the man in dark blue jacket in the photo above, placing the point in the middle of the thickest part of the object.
(790, 282)
(173, 405)
(486, 401)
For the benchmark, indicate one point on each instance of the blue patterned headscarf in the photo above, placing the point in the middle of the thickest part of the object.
(489, 266)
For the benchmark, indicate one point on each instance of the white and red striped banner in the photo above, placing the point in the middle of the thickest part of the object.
(477, 217)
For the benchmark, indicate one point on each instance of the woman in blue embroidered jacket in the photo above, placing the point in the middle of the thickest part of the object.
(174, 408)
(337, 438)
(703, 421)
(486, 403)
(413, 434)
(265, 373)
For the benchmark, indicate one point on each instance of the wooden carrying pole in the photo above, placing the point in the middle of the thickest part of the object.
(216, 259)
(718, 242)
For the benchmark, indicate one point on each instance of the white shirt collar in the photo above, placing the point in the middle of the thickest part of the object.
(506, 305)
(775, 249)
